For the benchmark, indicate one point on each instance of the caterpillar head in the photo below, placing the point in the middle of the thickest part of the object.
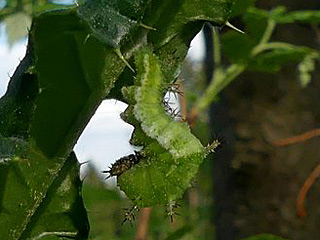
(123, 164)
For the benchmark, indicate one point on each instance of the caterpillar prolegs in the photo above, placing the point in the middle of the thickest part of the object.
(171, 153)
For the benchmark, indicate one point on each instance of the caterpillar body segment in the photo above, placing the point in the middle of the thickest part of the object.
(176, 137)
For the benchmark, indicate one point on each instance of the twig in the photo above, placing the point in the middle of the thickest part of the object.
(301, 212)
(192, 117)
(183, 101)
(142, 229)
(296, 139)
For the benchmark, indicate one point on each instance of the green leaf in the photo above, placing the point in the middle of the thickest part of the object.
(243, 48)
(39, 196)
(181, 232)
(264, 237)
(29, 8)
(17, 105)
(280, 16)
(273, 60)
(74, 74)
(170, 37)
(183, 12)
(241, 6)
(50, 98)
(256, 22)
(237, 47)
(113, 21)
(299, 16)
(61, 212)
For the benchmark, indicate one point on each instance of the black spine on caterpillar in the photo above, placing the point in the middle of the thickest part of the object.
(123, 164)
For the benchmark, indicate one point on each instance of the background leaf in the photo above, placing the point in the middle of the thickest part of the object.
(299, 16)
(272, 61)
(264, 237)
(240, 6)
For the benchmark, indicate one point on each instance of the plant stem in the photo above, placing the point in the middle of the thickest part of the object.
(309, 182)
(142, 230)
(268, 32)
(273, 45)
(217, 47)
(222, 78)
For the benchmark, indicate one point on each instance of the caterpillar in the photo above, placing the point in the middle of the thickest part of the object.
(123, 164)
(172, 154)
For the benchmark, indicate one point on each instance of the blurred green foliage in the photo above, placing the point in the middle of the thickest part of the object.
(264, 237)
(107, 207)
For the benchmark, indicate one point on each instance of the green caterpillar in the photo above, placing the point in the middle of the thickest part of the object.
(171, 153)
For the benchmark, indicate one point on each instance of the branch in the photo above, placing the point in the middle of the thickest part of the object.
(296, 139)
(301, 212)
(142, 229)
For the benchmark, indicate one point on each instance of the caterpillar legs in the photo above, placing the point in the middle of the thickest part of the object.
(130, 215)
